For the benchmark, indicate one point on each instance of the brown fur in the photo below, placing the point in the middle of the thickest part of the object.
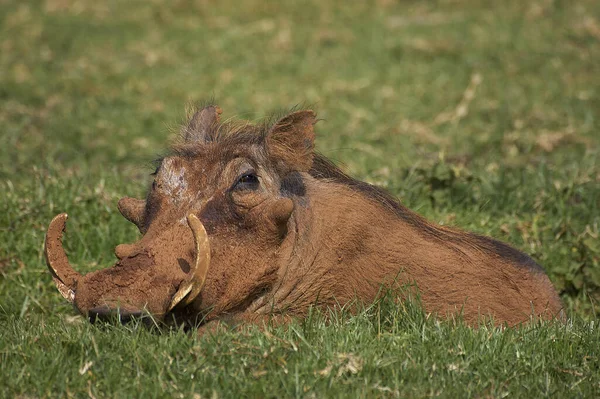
(304, 234)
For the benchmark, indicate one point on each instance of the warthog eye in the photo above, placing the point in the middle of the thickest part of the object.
(247, 181)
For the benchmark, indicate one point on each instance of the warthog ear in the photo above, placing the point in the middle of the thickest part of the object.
(291, 141)
(202, 124)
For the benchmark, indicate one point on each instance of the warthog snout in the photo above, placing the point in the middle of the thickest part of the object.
(140, 284)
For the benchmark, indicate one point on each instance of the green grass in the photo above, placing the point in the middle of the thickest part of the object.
(483, 115)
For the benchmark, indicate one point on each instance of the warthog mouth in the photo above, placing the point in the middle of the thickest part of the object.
(66, 278)
(106, 313)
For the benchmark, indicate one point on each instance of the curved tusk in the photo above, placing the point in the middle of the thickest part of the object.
(63, 274)
(192, 285)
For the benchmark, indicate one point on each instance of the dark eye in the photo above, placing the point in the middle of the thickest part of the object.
(247, 181)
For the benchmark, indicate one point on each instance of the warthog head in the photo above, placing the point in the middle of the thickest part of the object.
(214, 217)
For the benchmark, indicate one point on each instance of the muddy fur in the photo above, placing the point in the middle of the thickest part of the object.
(289, 230)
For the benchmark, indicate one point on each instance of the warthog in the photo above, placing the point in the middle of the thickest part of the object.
(247, 222)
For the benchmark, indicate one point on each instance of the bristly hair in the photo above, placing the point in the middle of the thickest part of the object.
(323, 168)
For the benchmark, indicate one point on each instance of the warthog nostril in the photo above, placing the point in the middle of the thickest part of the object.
(108, 314)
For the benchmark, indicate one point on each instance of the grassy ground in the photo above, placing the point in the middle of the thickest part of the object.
(483, 115)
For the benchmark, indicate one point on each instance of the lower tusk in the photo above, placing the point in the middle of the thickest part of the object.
(193, 284)
(63, 274)
(65, 291)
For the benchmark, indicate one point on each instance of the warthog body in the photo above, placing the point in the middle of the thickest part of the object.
(244, 222)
